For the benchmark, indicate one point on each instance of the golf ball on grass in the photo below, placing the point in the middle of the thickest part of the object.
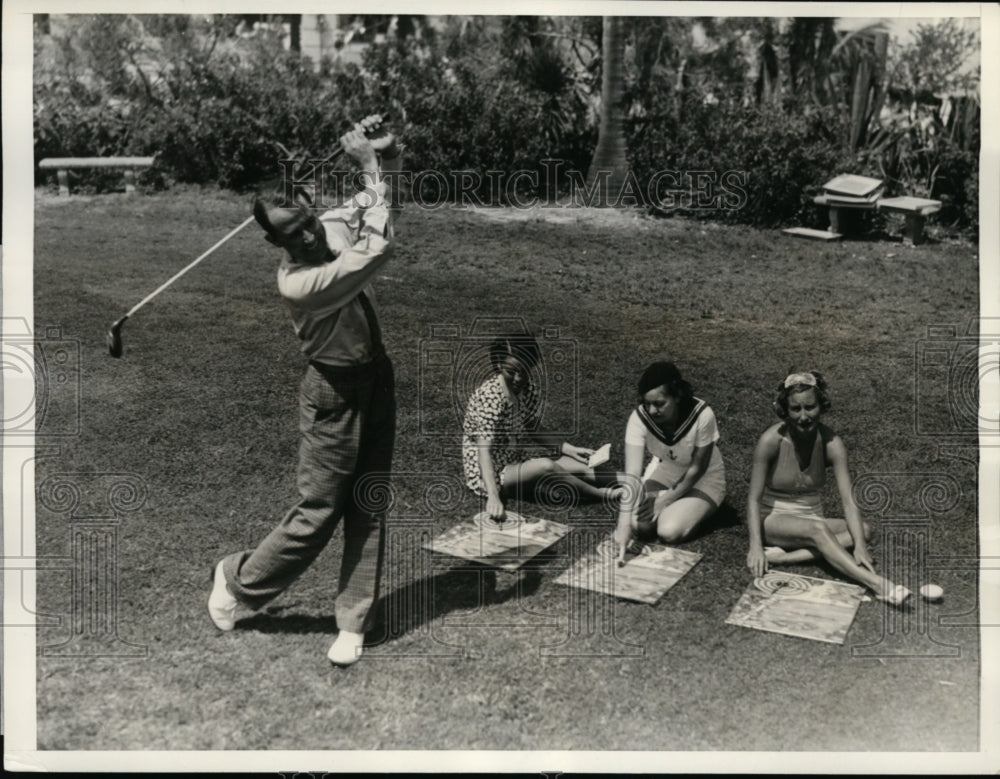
(931, 592)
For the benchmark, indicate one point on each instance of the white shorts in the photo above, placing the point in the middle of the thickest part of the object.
(808, 506)
(711, 485)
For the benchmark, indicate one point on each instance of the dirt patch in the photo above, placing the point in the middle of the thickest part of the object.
(559, 213)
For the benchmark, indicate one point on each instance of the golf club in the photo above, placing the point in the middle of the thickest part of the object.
(115, 333)
(115, 347)
(338, 149)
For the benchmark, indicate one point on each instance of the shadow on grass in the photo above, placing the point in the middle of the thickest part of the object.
(411, 606)
(726, 516)
(287, 623)
(890, 239)
(467, 588)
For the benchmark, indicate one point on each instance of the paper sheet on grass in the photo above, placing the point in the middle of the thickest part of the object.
(801, 606)
(600, 457)
(507, 545)
(649, 571)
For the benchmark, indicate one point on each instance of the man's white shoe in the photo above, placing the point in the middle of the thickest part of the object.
(347, 649)
(221, 603)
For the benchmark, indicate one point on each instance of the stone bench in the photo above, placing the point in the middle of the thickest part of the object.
(63, 165)
(916, 210)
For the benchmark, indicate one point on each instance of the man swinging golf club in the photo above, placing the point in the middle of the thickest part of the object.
(347, 407)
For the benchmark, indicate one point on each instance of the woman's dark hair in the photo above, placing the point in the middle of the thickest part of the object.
(664, 374)
(521, 346)
(818, 384)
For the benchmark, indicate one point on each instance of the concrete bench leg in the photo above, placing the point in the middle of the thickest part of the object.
(845, 221)
(63, 177)
(914, 230)
(129, 181)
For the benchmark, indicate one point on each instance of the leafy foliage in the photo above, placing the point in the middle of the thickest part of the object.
(928, 140)
(789, 102)
(773, 166)
(936, 61)
(456, 119)
(212, 108)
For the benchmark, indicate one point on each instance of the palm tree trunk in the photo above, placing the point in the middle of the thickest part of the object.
(881, 79)
(679, 89)
(609, 166)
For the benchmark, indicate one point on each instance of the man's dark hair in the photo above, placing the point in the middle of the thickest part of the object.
(262, 204)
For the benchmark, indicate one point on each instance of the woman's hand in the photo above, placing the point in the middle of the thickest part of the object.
(578, 453)
(663, 496)
(862, 558)
(623, 535)
(756, 561)
(494, 507)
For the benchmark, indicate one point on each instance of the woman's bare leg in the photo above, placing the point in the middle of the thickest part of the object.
(519, 476)
(791, 532)
(678, 520)
(777, 556)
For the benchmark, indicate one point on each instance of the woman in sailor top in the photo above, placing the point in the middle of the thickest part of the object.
(784, 507)
(685, 481)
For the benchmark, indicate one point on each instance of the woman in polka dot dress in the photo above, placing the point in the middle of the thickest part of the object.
(501, 419)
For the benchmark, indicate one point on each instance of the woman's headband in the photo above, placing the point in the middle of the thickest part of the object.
(795, 379)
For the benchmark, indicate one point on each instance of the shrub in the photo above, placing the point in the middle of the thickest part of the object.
(782, 157)
(209, 115)
(956, 184)
(215, 109)
(219, 114)
(455, 119)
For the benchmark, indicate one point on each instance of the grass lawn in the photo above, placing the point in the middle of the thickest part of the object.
(202, 411)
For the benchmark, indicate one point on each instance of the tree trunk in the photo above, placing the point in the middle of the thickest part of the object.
(766, 75)
(609, 166)
(882, 80)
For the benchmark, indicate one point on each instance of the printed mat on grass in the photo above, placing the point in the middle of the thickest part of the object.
(795, 605)
(649, 571)
(507, 545)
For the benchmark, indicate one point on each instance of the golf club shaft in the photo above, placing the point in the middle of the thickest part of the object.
(185, 269)
(337, 151)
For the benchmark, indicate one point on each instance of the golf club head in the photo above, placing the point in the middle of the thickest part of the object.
(115, 338)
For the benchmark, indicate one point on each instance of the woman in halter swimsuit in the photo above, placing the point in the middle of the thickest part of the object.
(784, 508)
